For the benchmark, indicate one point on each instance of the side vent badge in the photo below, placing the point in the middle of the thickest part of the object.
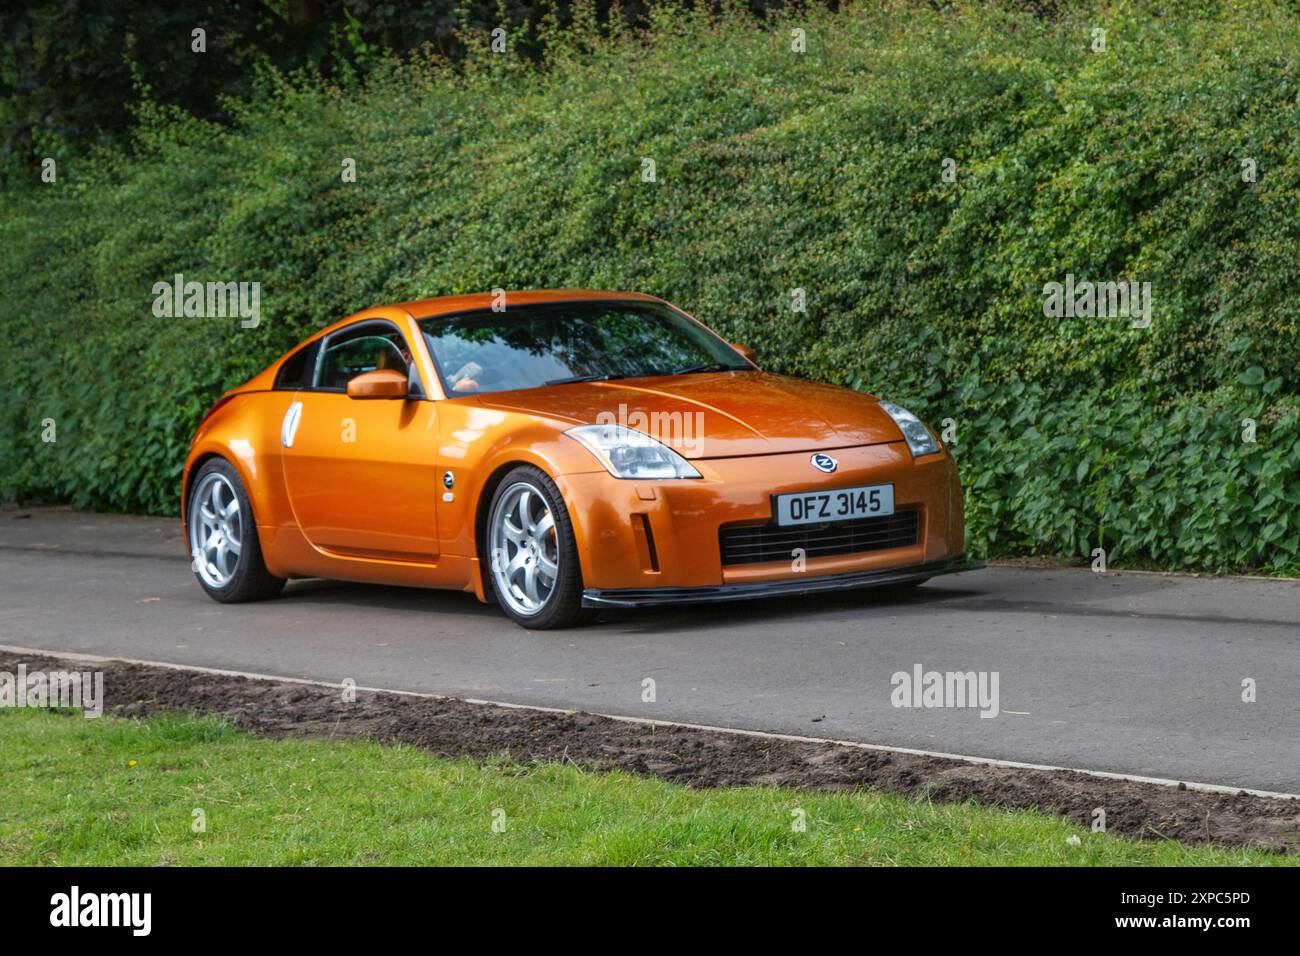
(289, 427)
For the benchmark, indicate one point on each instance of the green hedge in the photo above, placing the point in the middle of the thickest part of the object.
(776, 171)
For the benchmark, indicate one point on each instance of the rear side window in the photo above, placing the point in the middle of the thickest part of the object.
(361, 349)
(296, 372)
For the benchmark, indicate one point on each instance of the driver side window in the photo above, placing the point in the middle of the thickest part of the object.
(350, 353)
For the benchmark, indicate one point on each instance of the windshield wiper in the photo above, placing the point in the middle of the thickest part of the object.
(575, 378)
(708, 367)
(588, 378)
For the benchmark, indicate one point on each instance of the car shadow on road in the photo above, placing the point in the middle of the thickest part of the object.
(742, 613)
(389, 598)
(459, 604)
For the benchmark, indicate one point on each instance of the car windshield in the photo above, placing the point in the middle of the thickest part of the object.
(528, 346)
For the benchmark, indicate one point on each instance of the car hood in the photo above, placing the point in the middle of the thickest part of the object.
(718, 414)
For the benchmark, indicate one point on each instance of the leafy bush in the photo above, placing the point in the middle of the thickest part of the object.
(776, 171)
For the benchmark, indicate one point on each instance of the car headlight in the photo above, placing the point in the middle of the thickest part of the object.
(919, 439)
(627, 453)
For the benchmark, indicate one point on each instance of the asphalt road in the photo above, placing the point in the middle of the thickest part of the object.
(1132, 673)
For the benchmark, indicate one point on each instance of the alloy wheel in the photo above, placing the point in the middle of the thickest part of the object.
(525, 555)
(216, 530)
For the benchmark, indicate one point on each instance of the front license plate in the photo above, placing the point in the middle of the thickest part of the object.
(839, 504)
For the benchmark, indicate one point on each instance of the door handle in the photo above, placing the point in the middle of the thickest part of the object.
(289, 427)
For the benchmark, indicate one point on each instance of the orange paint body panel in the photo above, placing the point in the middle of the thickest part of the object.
(395, 491)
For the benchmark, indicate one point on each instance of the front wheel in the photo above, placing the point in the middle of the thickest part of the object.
(225, 552)
(532, 554)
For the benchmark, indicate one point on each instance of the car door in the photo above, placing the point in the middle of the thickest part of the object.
(360, 473)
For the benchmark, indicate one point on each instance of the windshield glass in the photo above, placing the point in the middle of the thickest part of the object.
(528, 346)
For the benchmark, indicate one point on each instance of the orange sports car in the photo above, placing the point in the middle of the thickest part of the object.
(559, 452)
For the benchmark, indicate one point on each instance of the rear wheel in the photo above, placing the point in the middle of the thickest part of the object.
(532, 554)
(225, 552)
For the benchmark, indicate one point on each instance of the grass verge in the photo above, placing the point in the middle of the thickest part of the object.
(126, 792)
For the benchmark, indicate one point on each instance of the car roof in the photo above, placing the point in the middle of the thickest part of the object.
(443, 305)
(423, 308)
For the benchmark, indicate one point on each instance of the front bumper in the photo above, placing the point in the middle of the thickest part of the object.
(652, 597)
(664, 536)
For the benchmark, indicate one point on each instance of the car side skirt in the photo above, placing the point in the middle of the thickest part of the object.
(653, 597)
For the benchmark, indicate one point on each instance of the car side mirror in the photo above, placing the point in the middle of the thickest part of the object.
(746, 351)
(381, 383)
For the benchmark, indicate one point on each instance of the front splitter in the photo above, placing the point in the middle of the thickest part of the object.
(654, 597)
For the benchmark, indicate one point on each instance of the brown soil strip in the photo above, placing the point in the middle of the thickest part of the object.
(696, 758)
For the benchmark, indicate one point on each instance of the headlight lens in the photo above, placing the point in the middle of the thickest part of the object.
(919, 439)
(627, 453)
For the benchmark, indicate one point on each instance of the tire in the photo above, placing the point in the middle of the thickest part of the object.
(229, 575)
(528, 543)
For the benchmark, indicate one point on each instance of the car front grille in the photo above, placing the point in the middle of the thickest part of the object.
(755, 544)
